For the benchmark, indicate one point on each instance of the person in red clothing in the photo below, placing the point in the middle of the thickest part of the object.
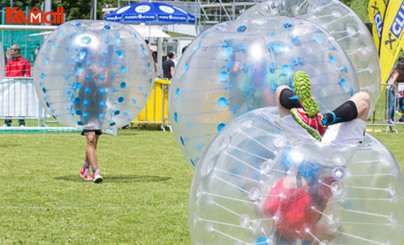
(17, 66)
(297, 201)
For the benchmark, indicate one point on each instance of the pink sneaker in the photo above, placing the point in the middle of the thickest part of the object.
(97, 177)
(85, 173)
(312, 124)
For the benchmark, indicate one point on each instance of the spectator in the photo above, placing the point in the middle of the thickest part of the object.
(168, 66)
(396, 78)
(35, 53)
(17, 66)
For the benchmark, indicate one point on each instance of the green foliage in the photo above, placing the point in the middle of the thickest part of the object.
(360, 8)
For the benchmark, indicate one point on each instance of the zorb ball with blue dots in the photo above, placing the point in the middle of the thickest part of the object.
(94, 74)
(342, 24)
(260, 184)
(237, 66)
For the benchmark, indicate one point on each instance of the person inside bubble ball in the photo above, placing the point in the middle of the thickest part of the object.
(93, 89)
(343, 127)
(297, 200)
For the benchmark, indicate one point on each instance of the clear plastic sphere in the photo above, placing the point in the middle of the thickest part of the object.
(247, 189)
(94, 74)
(342, 24)
(236, 66)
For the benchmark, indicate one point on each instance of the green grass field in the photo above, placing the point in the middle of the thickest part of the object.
(143, 199)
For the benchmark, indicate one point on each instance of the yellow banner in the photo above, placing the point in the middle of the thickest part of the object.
(376, 11)
(392, 37)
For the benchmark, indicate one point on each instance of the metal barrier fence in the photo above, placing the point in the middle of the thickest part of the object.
(156, 110)
(18, 99)
(386, 103)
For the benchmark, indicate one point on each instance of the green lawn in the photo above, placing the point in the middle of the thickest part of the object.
(143, 199)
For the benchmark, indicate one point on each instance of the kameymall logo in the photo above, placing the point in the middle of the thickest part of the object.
(35, 16)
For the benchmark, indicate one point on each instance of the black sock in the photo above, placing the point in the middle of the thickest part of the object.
(344, 113)
(289, 99)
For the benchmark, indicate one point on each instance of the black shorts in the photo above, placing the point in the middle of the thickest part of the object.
(88, 131)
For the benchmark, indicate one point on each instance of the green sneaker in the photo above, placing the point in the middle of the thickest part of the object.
(302, 86)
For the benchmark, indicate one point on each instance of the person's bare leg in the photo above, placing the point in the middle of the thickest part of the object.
(91, 153)
(362, 102)
(282, 110)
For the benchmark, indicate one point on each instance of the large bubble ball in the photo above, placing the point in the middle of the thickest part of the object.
(258, 184)
(236, 66)
(341, 23)
(94, 74)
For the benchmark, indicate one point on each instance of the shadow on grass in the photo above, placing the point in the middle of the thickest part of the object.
(118, 178)
(9, 145)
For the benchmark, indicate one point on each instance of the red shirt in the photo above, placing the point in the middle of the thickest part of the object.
(294, 209)
(18, 67)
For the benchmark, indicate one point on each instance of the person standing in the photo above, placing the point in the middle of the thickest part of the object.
(396, 78)
(168, 66)
(17, 66)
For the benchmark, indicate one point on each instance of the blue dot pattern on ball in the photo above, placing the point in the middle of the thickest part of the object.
(175, 117)
(227, 51)
(185, 67)
(86, 39)
(286, 69)
(222, 102)
(223, 76)
(287, 25)
(182, 140)
(220, 126)
(77, 100)
(241, 28)
(197, 45)
(177, 92)
(279, 48)
(333, 61)
(120, 99)
(261, 241)
(318, 38)
(343, 83)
